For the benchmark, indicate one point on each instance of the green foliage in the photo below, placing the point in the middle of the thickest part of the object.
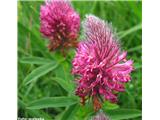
(33, 113)
(35, 60)
(40, 71)
(126, 32)
(65, 84)
(69, 114)
(121, 114)
(109, 106)
(52, 102)
(45, 84)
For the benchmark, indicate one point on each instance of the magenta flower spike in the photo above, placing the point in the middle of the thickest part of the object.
(60, 23)
(101, 65)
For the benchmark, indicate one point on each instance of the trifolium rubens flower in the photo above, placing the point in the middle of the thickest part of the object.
(60, 24)
(100, 64)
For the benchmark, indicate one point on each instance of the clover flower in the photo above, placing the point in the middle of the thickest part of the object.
(100, 116)
(100, 64)
(60, 23)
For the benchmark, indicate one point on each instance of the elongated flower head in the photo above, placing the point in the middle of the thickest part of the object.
(60, 23)
(100, 64)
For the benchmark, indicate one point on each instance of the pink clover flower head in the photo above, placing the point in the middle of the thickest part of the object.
(100, 64)
(60, 23)
(100, 116)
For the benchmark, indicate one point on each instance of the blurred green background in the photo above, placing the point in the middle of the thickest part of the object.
(45, 85)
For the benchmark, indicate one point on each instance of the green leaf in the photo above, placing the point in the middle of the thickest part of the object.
(35, 11)
(52, 102)
(109, 106)
(35, 60)
(33, 113)
(63, 71)
(127, 32)
(59, 116)
(135, 48)
(138, 66)
(38, 72)
(70, 112)
(121, 114)
(85, 112)
(34, 37)
(64, 84)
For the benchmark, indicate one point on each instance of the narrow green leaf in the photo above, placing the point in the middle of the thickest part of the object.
(52, 102)
(121, 114)
(59, 116)
(33, 113)
(35, 11)
(137, 66)
(21, 104)
(93, 6)
(38, 72)
(35, 60)
(135, 48)
(22, 51)
(70, 112)
(85, 112)
(109, 106)
(37, 42)
(127, 32)
(64, 84)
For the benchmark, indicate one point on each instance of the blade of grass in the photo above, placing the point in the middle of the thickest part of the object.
(38, 72)
(33, 35)
(121, 114)
(35, 11)
(129, 31)
(33, 113)
(137, 65)
(93, 6)
(135, 48)
(109, 106)
(70, 112)
(69, 87)
(35, 39)
(35, 60)
(52, 102)
(22, 51)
